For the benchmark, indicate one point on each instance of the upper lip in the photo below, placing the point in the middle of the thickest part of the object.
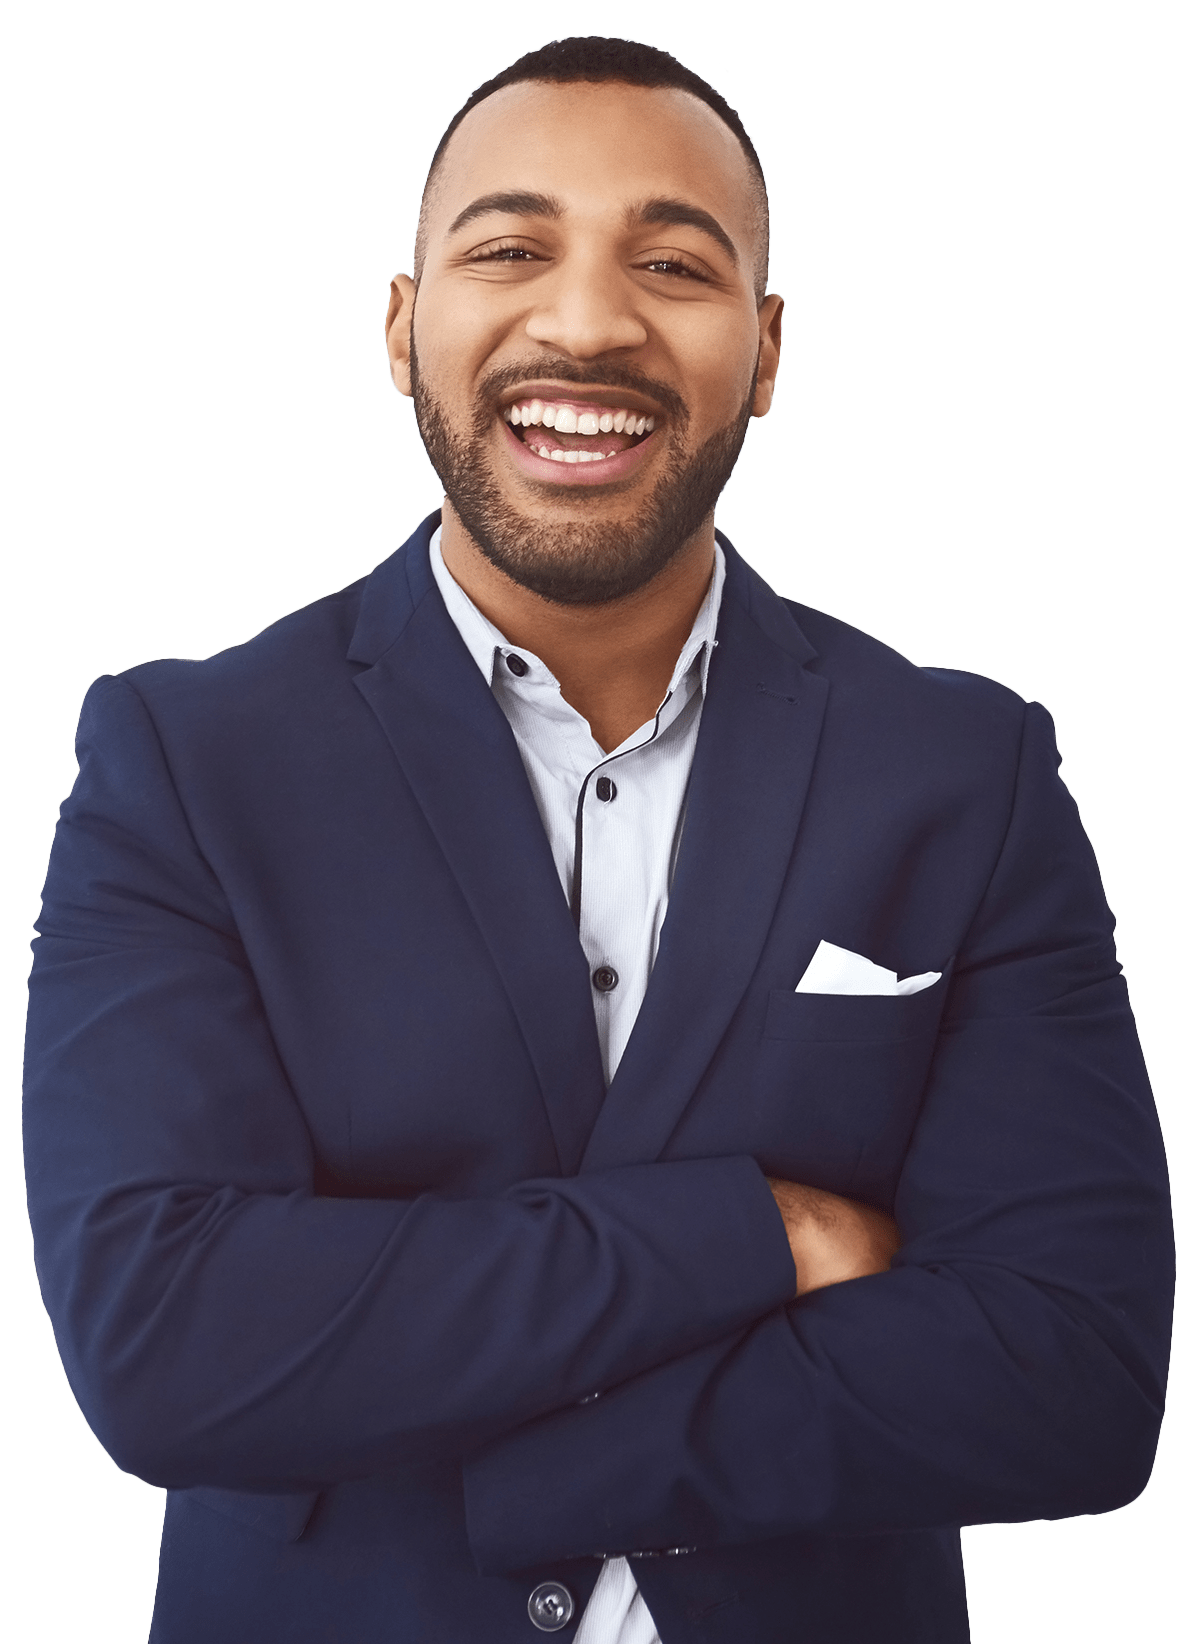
(616, 399)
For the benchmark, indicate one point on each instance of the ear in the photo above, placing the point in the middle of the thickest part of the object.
(770, 325)
(396, 330)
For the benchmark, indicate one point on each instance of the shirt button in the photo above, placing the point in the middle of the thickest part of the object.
(550, 1606)
(606, 789)
(516, 664)
(604, 978)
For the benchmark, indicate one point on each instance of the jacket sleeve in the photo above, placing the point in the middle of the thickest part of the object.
(1012, 1363)
(220, 1321)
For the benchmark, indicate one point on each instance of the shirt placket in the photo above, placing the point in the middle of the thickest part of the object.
(626, 814)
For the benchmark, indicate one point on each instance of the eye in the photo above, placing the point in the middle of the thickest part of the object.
(675, 267)
(502, 252)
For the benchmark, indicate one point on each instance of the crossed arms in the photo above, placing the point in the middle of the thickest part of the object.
(225, 1323)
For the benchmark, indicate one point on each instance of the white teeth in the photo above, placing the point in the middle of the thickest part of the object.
(565, 420)
(559, 455)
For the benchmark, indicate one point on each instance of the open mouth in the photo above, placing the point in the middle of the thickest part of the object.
(576, 431)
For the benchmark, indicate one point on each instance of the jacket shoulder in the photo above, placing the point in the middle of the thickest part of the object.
(858, 664)
(303, 655)
(291, 657)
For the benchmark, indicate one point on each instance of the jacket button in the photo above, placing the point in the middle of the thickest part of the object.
(550, 1606)
(606, 789)
(604, 979)
(516, 664)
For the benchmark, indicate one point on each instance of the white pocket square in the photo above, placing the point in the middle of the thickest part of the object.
(837, 970)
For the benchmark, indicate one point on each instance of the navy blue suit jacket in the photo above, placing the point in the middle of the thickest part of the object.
(341, 1231)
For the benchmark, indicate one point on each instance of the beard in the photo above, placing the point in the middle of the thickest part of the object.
(584, 560)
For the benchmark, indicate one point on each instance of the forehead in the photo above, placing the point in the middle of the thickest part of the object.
(596, 148)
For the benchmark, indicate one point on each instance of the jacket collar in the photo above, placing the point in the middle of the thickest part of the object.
(392, 593)
(750, 776)
(758, 738)
(458, 755)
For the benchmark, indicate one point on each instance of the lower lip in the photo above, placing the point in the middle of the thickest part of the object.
(546, 471)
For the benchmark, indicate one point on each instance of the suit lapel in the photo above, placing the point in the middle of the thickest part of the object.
(458, 754)
(758, 738)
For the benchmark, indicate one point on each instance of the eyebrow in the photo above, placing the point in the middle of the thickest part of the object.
(679, 214)
(663, 213)
(513, 203)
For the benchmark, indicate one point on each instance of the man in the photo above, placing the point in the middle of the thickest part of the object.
(567, 1094)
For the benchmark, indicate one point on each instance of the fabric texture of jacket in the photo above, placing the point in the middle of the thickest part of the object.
(347, 1245)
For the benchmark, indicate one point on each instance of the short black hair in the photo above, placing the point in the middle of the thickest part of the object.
(594, 58)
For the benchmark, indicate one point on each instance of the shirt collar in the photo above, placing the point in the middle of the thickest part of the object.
(486, 643)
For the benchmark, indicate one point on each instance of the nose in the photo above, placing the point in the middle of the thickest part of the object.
(585, 310)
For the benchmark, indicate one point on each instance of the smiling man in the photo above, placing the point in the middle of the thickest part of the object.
(591, 340)
(567, 1094)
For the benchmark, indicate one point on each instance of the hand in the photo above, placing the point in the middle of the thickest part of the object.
(833, 1239)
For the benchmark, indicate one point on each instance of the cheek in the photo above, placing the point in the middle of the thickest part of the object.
(717, 362)
(453, 339)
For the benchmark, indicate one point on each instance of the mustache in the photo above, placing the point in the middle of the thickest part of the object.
(602, 374)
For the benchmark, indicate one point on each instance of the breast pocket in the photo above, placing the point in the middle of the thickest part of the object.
(839, 1083)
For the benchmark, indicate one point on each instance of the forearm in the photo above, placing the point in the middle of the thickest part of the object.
(274, 1340)
(223, 1318)
(832, 1238)
(1011, 1365)
(888, 1404)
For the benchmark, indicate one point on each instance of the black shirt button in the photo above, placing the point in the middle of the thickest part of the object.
(604, 978)
(550, 1606)
(606, 788)
(516, 664)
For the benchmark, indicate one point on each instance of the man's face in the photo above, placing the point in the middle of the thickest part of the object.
(585, 347)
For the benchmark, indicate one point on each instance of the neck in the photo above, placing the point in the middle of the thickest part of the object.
(614, 661)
